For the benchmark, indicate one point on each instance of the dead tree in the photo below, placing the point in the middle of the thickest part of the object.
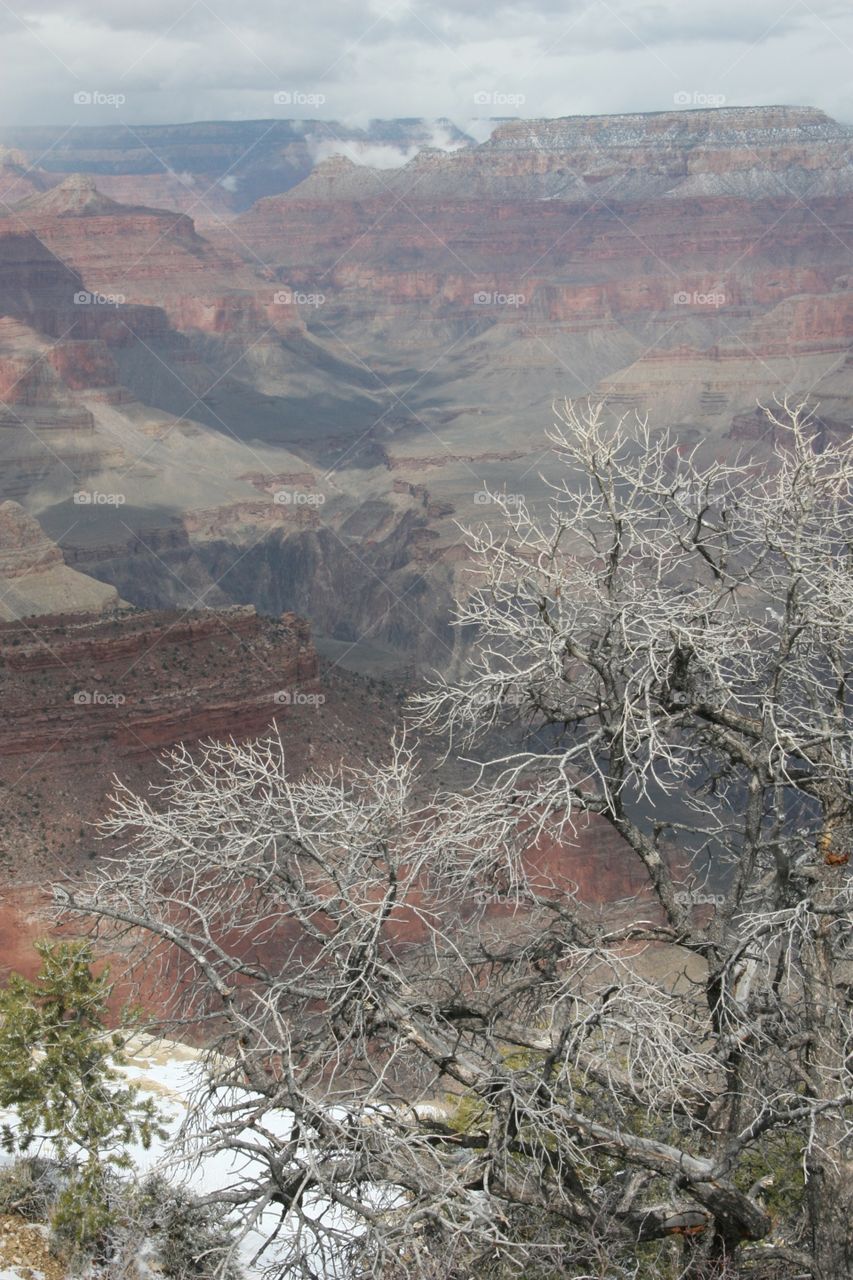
(434, 1061)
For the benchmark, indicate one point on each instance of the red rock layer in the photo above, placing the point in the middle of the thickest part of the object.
(137, 255)
(143, 680)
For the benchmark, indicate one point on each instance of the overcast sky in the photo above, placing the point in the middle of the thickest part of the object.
(172, 60)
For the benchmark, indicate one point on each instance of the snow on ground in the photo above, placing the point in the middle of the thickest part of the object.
(172, 1073)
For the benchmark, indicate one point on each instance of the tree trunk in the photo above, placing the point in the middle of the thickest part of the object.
(830, 1200)
(829, 1166)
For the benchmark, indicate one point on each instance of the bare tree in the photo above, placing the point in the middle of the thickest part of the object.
(437, 1062)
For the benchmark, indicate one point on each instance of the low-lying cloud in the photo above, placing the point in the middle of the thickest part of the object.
(383, 155)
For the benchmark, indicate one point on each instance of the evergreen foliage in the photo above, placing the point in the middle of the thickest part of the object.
(59, 1074)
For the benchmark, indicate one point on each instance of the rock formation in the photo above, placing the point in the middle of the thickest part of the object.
(209, 170)
(90, 699)
(34, 578)
(85, 698)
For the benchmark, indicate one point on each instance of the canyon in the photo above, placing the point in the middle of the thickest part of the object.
(251, 387)
(210, 169)
(295, 403)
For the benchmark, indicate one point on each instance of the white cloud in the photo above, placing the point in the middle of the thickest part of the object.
(224, 59)
(381, 155)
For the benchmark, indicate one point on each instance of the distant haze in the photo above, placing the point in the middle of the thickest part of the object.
(155, 61)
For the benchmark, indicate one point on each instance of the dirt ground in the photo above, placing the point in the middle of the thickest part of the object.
(24, 1251)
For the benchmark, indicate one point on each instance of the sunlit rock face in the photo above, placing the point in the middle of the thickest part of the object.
(34, 578)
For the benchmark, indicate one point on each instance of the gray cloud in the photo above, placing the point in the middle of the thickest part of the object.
(354, 59)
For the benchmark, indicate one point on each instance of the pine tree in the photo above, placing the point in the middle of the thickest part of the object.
(59, 1073)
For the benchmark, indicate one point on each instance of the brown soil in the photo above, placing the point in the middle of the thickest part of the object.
(23, 1249)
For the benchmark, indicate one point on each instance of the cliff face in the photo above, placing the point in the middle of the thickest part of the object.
(583, 224)
(725, 151)
(136, 255)
(728, 151)
(87, 698)
(24, 548)
(19, 176)
(41, 290)
(144, 681)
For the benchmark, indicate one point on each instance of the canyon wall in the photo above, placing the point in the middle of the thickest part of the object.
(202, 413)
